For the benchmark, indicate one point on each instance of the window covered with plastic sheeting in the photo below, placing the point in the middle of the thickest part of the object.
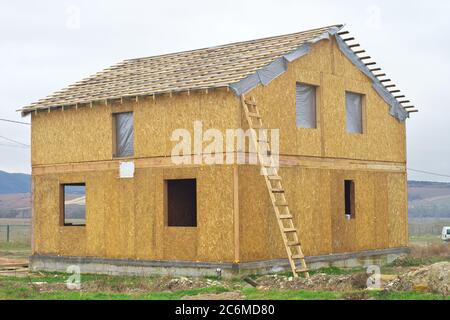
(354, 112)
(306, 106)
(124, 134)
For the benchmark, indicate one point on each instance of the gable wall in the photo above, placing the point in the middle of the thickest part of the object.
(316, 194)
(326, 67)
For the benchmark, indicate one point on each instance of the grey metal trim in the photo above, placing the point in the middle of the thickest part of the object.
(396, 109)
(273, 70)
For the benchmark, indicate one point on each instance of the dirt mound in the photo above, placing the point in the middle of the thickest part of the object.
(183, 283)
(318, 282)
(434, 278)
(139, 285)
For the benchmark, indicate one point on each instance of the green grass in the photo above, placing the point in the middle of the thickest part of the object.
(21, 288)
(337, 271)
(410, 261)
(32, 294)
(425, 239)
(255, 294)
(14, 246)
(327, 270)
(14, 250)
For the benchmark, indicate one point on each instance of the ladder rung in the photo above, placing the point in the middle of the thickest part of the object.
(281, 204)
(254, 115)
(250, 103)
(297, 256)
(293, 243)
(286, 217)
(290, 230)
(301, 270)
(277, 190)
(274, 178)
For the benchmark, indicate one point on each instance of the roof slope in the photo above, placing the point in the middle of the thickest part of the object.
(191, 70)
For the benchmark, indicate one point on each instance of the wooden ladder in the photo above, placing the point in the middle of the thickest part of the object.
(277, 193)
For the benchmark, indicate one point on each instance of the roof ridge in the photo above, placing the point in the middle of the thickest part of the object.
(233, 43)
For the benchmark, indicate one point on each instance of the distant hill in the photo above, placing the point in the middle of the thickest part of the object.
(11, 183)
(428, 199)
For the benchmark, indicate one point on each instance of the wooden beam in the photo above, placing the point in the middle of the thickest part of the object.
(166, 162)
(237, 257)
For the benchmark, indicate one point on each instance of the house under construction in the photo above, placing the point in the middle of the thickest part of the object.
(108, 196)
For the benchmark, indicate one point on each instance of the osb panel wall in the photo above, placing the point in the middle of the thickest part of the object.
(126, 217)
(316, 198)
(326, 67)
(71, 135)
(85, 134)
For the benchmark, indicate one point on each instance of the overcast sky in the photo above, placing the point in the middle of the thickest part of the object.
(46, 45)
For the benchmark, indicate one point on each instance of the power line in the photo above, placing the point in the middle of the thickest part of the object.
(17, 122)
(15, 141)
(430, 173)
(13, 146)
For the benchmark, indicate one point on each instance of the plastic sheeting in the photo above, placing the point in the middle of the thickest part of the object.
(353, 108)
(267, 74)
(306, 106)
(270, 72)
(124, 134)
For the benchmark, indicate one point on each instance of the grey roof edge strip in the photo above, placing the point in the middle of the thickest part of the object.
(396, 109)
(273, 70)
(281, 64)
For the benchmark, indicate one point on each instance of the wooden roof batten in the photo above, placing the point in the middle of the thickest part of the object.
(386, 82)
(202, 69)
(196, 70)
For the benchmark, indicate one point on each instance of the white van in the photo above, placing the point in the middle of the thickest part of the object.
(446, 234)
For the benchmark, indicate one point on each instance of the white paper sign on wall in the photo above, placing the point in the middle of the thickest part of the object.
(127, 170)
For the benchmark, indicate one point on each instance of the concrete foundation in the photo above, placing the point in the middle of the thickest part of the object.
(198, 269)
